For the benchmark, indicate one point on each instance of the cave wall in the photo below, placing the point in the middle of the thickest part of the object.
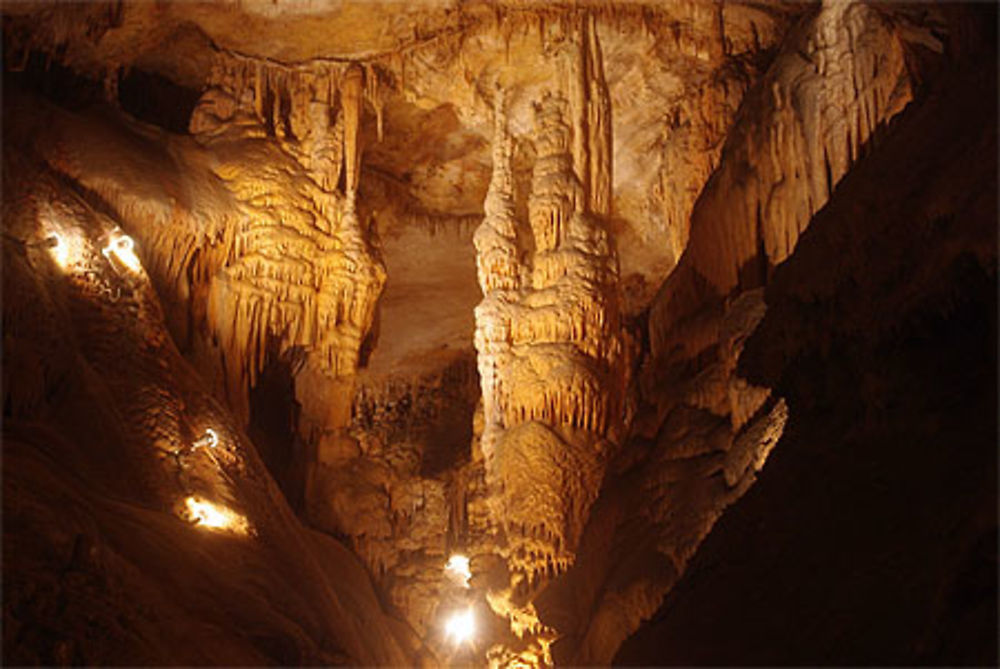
(627, 183)
(133, 534)
(702, 430)
(880, 333)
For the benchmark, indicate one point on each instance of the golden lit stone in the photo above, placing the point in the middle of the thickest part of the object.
(215, 517)
(456, 308)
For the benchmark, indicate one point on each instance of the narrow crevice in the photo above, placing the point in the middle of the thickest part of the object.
(152, 98)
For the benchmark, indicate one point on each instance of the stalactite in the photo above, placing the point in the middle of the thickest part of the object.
(302, 275)
(258, 90)
(350, 95)
(579, 98)
(810, 146)
(374, 95)
(313, 109)
(598, 125)
(590, 114)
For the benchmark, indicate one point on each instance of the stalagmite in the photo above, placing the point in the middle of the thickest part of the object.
(549, 345)
(482, 406)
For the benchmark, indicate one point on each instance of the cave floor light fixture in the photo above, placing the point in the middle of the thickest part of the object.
(122, 247)
(206, 514)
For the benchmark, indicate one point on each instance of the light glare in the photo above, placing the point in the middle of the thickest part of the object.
(122, 247)
(64, 250)
(458, 568)
(461, 627)
(59, 251)
(215, 517)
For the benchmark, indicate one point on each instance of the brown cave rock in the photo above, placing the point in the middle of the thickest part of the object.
(506, 332)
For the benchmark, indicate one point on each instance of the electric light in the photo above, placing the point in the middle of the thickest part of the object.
(212, 516)
(460, 627)
(122, 247)
(59, 250)
(64, 249)
(458, 569)
(211, 439)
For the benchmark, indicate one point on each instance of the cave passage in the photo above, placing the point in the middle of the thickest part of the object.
(499, 334)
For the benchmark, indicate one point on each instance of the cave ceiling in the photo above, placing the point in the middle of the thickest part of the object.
(676, 72)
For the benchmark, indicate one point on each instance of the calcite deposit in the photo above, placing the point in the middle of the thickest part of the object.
(124, 466)
(505, 332)
(548, 335)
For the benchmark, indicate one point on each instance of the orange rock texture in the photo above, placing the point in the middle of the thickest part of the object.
(332, 328)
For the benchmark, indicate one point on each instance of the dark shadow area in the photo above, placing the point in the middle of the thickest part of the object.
(449, 435)
(427, 414)
(45, 76)
(274, 417)
(870, 537)
(152, 98)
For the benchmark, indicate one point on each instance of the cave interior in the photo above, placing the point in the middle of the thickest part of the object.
(516, 333)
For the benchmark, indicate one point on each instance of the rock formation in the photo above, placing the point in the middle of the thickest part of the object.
(497, 332)
(548, 335)
(301, 272)
(851, 350)
(840, 78)
(708, 433)
(133, 482)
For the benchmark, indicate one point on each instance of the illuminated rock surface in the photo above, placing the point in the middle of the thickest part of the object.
(121, 517)
(483, 332)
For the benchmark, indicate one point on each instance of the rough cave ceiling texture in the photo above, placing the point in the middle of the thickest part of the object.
(303, 298)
